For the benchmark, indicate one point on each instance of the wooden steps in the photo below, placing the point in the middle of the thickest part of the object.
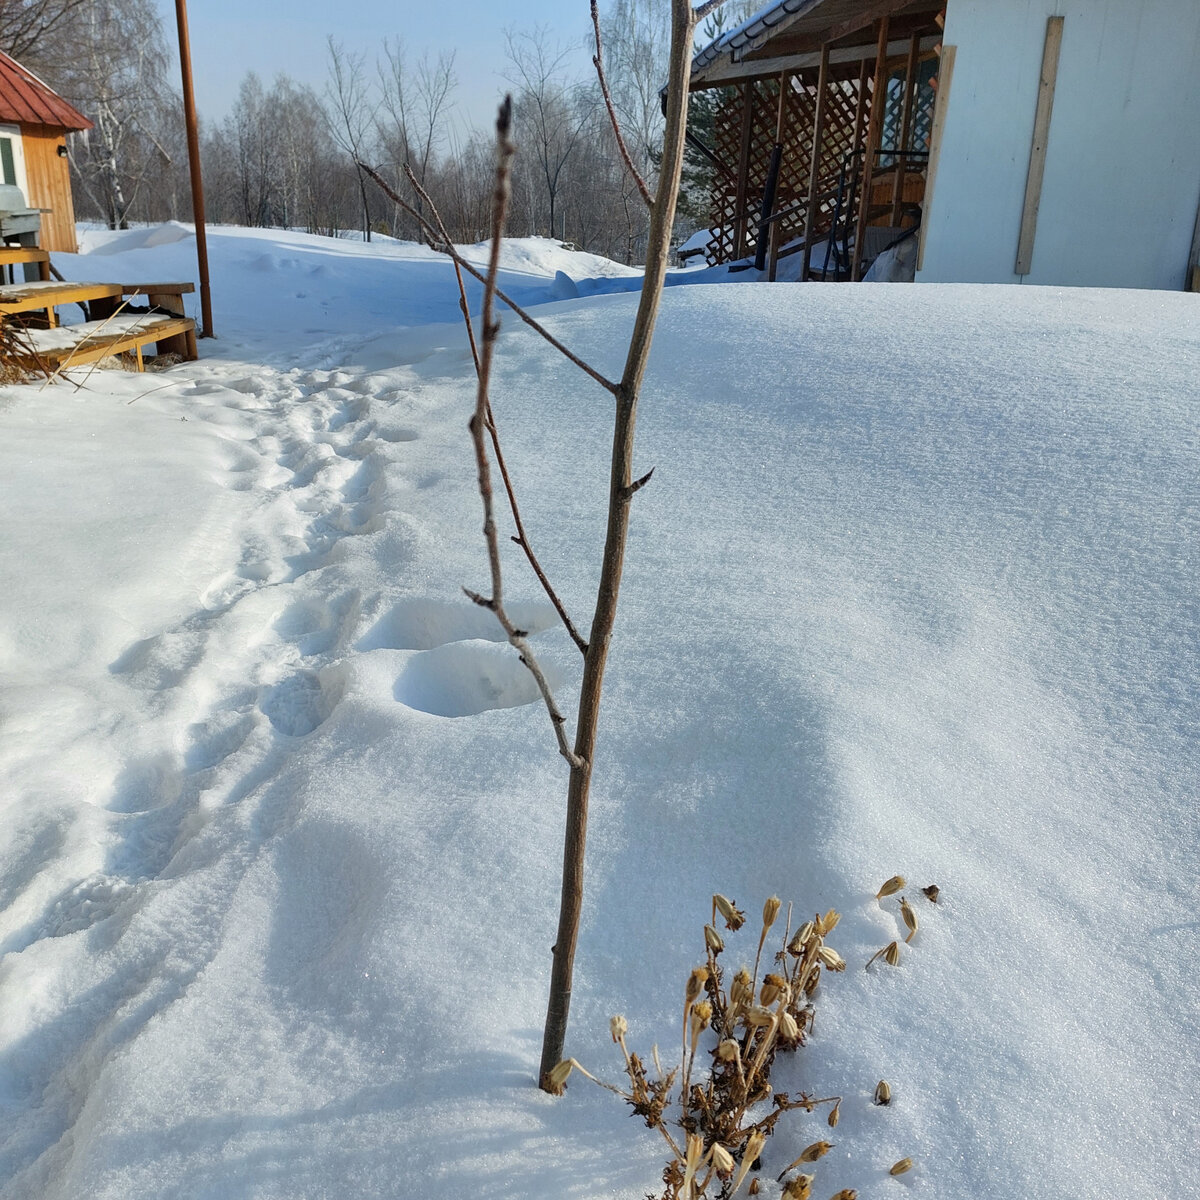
(113, 329)
(74, 345)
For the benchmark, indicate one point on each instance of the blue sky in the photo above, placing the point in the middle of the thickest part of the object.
(231, 37)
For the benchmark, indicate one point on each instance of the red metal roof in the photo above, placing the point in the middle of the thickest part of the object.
(26, 100)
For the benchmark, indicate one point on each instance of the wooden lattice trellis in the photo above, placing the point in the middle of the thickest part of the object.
(745, 132)
(735, 227)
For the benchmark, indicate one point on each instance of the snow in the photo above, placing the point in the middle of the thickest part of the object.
(913, 589)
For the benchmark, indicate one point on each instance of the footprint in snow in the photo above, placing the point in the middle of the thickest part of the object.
(464, 679)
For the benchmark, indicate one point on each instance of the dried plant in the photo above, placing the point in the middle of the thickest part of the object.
(734, 1025)
(19, 359)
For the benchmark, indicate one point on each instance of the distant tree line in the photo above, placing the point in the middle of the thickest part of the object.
(284, 154)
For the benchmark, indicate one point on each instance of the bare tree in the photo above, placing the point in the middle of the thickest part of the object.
(110, 62)
(626, 393)
(351, 114)
(413, 109)
(29, 28)
(549, 115)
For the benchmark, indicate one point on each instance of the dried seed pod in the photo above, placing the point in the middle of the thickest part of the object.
(932, 892)
(834, 1115)
(788, 1029)
(741, 990)
(812, 979)
(722, 1160)
(815, 1151)
(758, 1017)
(733, 916)
(750, 1153)
(800, 938)
(771, 911)
(910, 918)
(845, 1194)
(897, 883)
(828, 923)
(557, 1079)
(701, 1016)
(883, 1093)
(728, 1050)
(891, 954)
(695, 984)
(713, 940)
(618, 1027)
(773, 987)
(831, 959)
(905, 1164)
(799, 1188)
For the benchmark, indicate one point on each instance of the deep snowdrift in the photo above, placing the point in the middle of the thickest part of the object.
(913, 590)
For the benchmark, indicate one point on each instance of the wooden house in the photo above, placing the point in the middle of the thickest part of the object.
(34, 123)
(999, 141)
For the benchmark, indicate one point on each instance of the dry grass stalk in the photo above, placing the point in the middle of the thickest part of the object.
(19, 359)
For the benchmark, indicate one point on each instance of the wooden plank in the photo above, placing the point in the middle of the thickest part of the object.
(29, 297)
(1041, 137)
(22, 254)
(945, 77)
(874, 132)
(814, 165)
(93, 343)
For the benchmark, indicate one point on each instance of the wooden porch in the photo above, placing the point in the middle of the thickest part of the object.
(823, 133)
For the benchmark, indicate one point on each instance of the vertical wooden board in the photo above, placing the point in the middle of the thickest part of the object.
(1192, 280)
(49, 180)
(1041, 137)
(815, 157)
(945, 77)
(874, 131)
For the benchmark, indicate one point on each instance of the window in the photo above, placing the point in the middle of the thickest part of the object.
(8, 167)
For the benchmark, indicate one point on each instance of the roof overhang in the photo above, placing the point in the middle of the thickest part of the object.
(26, 100)
(789, 35)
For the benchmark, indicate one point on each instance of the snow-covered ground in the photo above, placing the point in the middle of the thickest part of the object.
(913, 589)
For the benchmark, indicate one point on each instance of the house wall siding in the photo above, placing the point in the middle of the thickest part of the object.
(49, 179)
(1122, 179)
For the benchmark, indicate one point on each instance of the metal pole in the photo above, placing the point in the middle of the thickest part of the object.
(193, 141)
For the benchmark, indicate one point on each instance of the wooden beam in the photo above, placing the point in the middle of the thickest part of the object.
(881, 10)
(814, 165)
(1041, 137)
(785, 82)
(743, 176)
(945, 77)
(874, 130)
(910, 93)
(768, 68)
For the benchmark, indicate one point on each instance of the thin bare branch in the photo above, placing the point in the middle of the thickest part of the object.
(522, 539)
(447, 248)
(698, 14)
(638, 484)
(478, 425)
(598, 63)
